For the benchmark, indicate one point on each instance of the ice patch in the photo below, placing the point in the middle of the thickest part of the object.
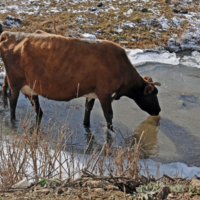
(191, 61)
(139, 57)
(171, 169)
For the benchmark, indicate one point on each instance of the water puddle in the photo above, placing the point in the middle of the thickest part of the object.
(171, 137)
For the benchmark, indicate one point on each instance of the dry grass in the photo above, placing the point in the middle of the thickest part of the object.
(64, 23)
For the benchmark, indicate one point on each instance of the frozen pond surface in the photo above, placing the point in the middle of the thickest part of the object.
(172, 137)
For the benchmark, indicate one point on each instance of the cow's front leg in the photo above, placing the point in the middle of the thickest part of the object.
(36, 104)
(88, 107)
(107, 110)
(13, 97)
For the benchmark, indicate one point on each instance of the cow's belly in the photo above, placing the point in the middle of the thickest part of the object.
(91, 96)
(26, 90)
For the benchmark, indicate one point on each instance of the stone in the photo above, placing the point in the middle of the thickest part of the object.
(111, 187)
(183, 11)
(112, 197)
(38, 187)
(144, 10)
(22, 184)
(60, 191)
(93, 8)
(195, 182)
(85, 194)
(99, 191)
(70, 191)
(123, 42)
(175, 10)
(171, 41)
(163, 193)
(11, 21)
(100, 4)
(96, 184)
(44, 191)
(151, 31)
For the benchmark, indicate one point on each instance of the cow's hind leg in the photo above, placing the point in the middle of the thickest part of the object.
(13, 97)
(35, 103)
(88, 107)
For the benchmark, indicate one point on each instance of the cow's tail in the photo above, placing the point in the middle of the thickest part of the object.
(5, 92)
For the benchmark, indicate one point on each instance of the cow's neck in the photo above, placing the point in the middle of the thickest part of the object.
(133, 85)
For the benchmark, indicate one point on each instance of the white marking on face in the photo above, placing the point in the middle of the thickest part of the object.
(26, 90)
(91, 96)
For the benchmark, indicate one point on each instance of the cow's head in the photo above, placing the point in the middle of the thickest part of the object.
(147, 99)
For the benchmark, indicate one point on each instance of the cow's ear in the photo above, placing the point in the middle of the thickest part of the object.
(148, 89)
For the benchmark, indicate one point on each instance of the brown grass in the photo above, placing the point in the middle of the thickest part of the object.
(63, 22)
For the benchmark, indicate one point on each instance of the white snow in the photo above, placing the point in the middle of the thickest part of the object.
(191, 61)
(90, 36)
(128, 23)
(139, 57)
(177, 21)
(12, 22)
(171, 169)
(164, 22)
(119, 30)
(128, 12)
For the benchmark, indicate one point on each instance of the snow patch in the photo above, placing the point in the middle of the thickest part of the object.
(128, 24)
(164, 22)
(90, 36)
(171, 169)
(139, 57)
(191, 61)
(12, 21)
(130, 11)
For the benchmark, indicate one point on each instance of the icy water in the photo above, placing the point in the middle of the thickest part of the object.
(174, 136)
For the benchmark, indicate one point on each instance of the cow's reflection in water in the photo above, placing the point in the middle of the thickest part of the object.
(149, 140)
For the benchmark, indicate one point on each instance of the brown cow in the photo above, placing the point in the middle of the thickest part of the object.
(61, 68)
